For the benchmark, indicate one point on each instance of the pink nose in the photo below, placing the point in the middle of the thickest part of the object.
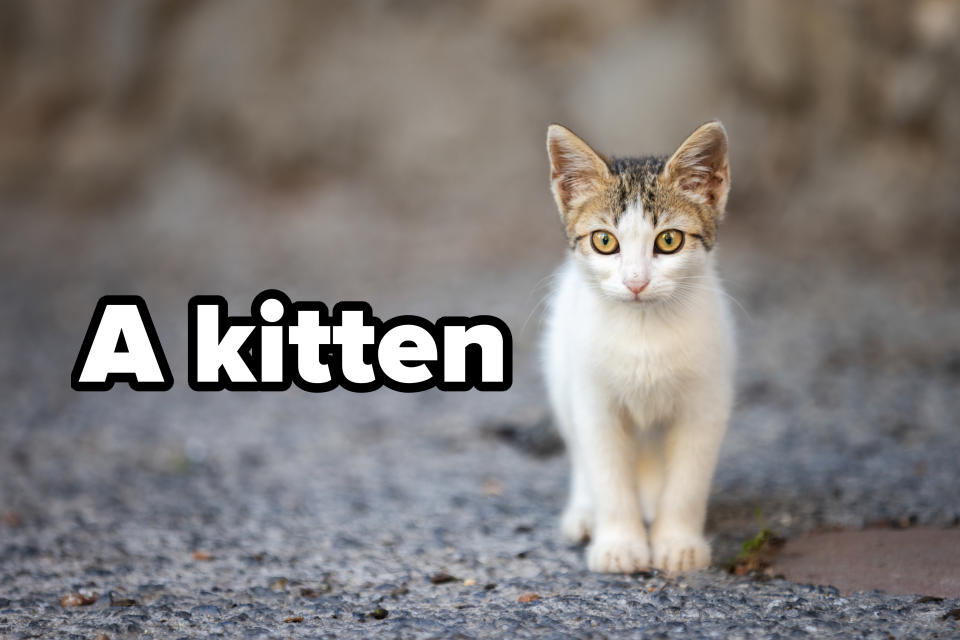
(636, 285)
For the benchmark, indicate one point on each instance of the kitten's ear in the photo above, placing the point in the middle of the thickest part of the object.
(700, 169)
(577, 172)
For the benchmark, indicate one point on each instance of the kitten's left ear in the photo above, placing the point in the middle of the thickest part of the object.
(699, 168)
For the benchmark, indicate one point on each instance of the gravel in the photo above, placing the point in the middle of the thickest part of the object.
(248, 515)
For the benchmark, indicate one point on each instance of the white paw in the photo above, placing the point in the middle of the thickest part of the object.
(576, 524)
(680, 552)
(619, 554)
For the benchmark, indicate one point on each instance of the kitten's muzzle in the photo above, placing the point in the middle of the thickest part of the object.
(636, 285)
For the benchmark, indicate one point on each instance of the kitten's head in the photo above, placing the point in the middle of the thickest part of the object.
(641, 228)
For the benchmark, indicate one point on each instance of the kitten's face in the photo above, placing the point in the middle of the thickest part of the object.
(637, 261)
(641, 229)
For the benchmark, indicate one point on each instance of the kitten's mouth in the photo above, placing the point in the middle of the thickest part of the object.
(641, 300)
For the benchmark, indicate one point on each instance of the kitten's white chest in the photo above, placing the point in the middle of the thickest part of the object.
(645, 363)
(639, 353)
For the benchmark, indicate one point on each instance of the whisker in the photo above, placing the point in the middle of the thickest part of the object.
(701, 287)
(546, 281)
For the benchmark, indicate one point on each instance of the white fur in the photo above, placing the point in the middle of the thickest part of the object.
(641, 388)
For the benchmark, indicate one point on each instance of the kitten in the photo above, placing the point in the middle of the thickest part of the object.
(639, 349)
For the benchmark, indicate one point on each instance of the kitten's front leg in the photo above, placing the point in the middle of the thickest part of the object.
(691, 449)
(576, 524)
(608, 453)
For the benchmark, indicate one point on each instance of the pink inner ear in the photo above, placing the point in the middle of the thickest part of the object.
(702, 173)
(573, 172)
(700, 165)
(704, 182)
(565, 184)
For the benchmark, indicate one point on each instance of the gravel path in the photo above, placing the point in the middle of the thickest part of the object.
(430, 515)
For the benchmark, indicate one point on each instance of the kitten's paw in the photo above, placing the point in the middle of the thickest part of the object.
(680, 552)
(576, 524)
(619, 554)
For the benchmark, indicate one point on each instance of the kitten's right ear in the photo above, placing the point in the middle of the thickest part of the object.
(577, 172)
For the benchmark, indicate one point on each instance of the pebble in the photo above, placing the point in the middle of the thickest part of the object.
(206, 611)
(77, 600)
(441, 577)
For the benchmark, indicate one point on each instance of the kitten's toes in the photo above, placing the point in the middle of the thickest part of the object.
(576, 525)
(683, 552)
(620, 554)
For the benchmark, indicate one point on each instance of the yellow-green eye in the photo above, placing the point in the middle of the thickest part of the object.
(669, 241)
(604, 242)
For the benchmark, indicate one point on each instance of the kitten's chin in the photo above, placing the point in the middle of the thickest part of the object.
(636, 301)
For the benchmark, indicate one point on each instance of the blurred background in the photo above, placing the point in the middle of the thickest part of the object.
(394, 152)
(844, 116)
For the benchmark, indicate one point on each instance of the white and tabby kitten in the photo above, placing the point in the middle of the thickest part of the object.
(639, 350)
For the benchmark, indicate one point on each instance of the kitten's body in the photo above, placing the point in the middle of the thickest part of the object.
(639, 353)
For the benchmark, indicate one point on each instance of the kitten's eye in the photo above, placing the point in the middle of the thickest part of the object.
(669, 241)
(604, 242)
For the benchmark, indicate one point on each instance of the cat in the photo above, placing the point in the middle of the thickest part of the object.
(639, 347)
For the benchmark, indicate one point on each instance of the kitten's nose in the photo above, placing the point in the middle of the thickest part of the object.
(636, 285)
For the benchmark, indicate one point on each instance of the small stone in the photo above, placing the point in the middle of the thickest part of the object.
(77, 600)
(202, 556)
(925, 599)
(492, 487)
(206, 610)
(12, 519)
(379, 613)
(441, 577)
(293, 619)
(469, 582)
(953, 613)
(528, 597)
(123, 602)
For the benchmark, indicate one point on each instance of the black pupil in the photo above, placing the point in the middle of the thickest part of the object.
(605, 239)
(668, 238)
